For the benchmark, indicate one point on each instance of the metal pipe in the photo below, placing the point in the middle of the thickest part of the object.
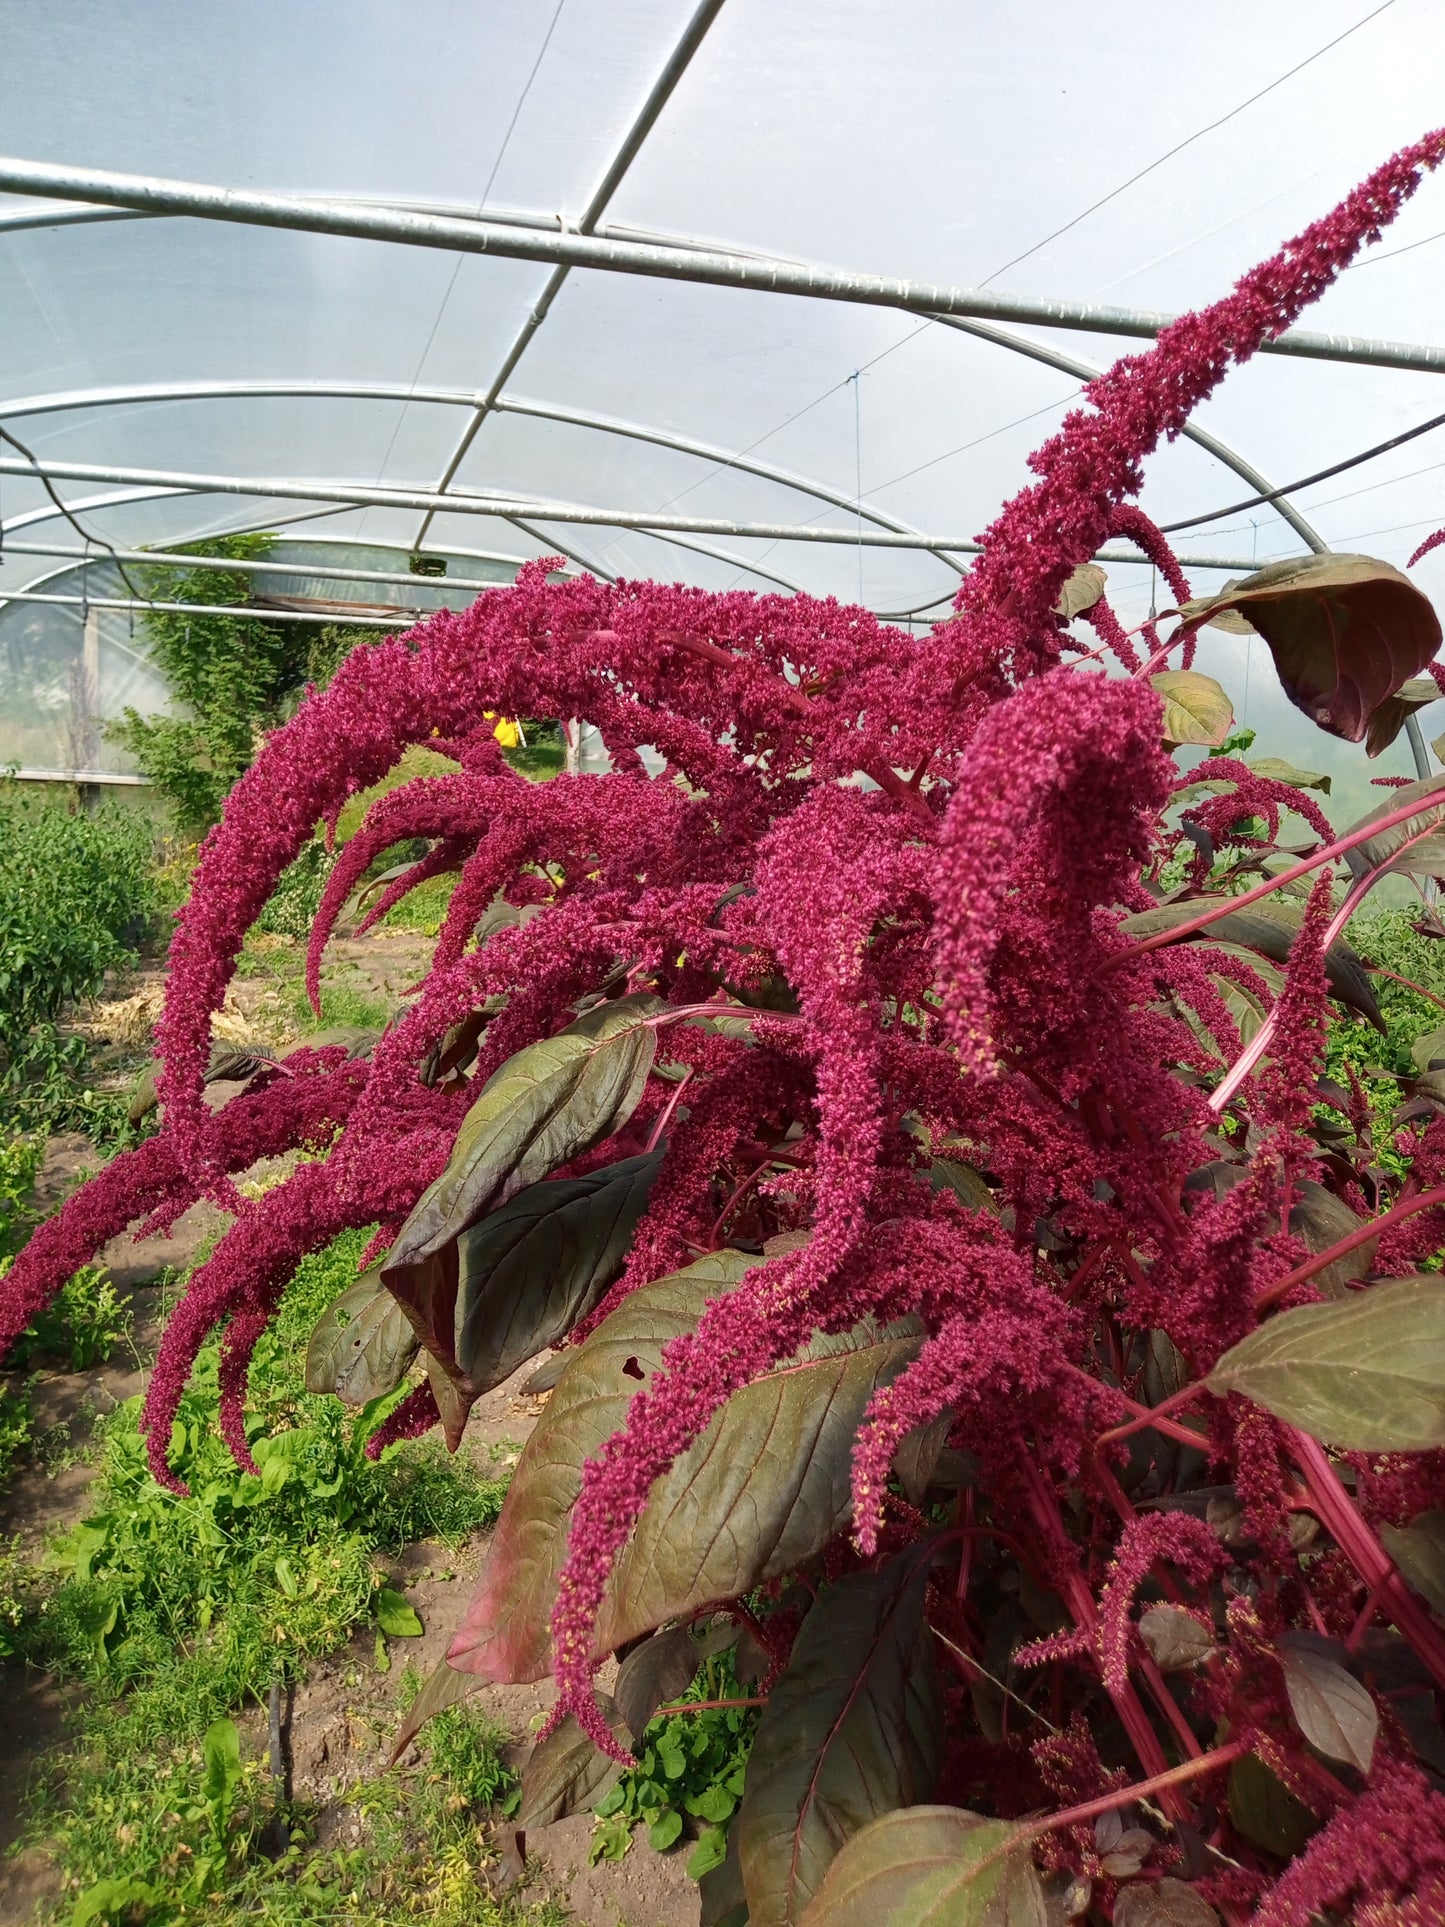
(111, 777)
(65, 400)
(505, 508)
(244, 610)
(319, 215)
(249, 566)
(660, 93)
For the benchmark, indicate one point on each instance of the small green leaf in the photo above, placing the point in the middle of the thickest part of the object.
(1279, 771)
(708, 1854)
(1418, 1549)
(1196, 708)
(665, 1830)
(114, 1900)
(395, 1615)
(1365, 1373)
(714, 1803)
(1265, 1811)
(221, 1752)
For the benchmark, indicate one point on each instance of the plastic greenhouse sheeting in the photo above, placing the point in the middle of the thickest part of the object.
(1115, 155)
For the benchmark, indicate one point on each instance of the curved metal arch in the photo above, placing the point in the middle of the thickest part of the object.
(140, 394)
(506, 508)
(395, 223)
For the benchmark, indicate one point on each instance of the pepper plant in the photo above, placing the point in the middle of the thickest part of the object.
(913, 1137)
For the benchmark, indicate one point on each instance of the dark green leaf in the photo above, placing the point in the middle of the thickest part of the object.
(1386, 850)
(1366, 1373)
(1175, 1638)
(652, 1673)
(1418, 1549)
(358, 1040)
(527, 1273)
(544, 1106)
(665, 1830)
(1196, 708)
(1346, 632)
(764, 1488)
(1331, 1708)
(1322, 1220)
(567, 1773)
(1264, 1809)
(1162, 1903)
(1269, 928)
(362, 1344)
(930, 1867)
(1280, 771)
(919, 1451)
(964, 1182)
(1392, 715)
(853, 1729)
(538, 1110)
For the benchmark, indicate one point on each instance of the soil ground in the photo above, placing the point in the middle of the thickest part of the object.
(338, 1723)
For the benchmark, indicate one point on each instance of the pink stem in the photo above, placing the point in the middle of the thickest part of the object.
(1297, 870)
(1340, 1518)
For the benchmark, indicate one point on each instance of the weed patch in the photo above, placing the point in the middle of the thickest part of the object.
(176, 1612)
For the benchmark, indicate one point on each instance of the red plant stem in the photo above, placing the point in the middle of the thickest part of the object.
(1080, 1602)
(1230, 904)
(706, 1706)
(1422, 1201)
(1341, 1519)
(667, 1110)
(1151, 1416)
(736, 1193)
(1221, 1756)
(968, 1506)
(1379, 970)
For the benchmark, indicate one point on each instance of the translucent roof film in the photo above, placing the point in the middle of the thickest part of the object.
(232, 374)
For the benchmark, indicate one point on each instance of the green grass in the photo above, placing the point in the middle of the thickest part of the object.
(172, 1614)
(76, 894)
(1387, 938)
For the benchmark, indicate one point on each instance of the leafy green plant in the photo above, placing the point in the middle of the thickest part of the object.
(75, 896)
(177, 1611)
(688, 1778)
(297, 897)
(81, 1328)
(17, 1430)
(237, 676)
(20, 1158)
